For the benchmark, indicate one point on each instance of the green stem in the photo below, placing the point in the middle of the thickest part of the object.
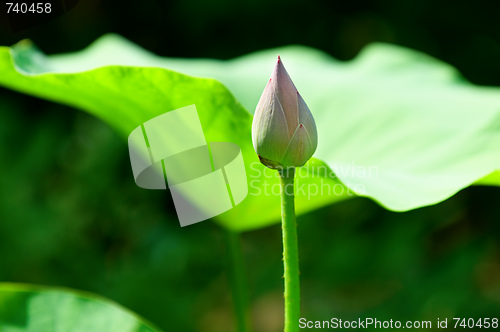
(290, 251)
(237, 277)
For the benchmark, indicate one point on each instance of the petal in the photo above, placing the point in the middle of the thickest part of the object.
(299, 149)
(287, 95)
(306, 119)
(269, 128)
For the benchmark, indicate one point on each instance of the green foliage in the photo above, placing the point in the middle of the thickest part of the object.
(126, 96)
(33, 308)
(394, 124)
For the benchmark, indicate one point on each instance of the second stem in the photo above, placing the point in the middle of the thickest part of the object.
(290, 251)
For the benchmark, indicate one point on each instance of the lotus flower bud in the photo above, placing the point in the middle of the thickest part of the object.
(283, 129)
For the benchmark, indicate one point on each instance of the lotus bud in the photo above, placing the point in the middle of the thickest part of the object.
(283, 129)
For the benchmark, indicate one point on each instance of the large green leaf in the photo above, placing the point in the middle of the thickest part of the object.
(394, 124)
(28, 308)
(127, 96)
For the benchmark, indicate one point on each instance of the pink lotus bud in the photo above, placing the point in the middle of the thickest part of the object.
(283, 129)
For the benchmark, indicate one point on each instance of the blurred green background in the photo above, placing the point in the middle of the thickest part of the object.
(71, 214)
